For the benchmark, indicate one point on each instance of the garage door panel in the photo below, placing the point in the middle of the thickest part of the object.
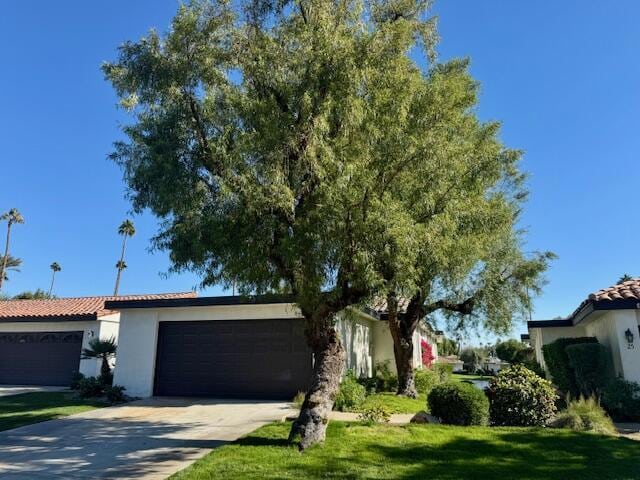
(239, 358)
(39, 358)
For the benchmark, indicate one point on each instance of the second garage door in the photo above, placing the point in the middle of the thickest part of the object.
(237, 358)
(39, 358)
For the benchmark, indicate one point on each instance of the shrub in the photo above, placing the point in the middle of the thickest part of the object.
(375, 414)
(557, 361)
(427, 353)
(444, 371)
(386, 380)
(90, 387)
(459, 403)
(426, 379)
(590, 364)
(115, 394)
(351, 394)
(75, 380)
(585, 415)
(370, 384)
(621, 399)
(519, 397)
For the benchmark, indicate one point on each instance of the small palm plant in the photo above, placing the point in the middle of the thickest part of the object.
(101, 349)
(10, 264)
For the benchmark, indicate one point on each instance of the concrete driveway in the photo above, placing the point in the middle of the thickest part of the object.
(147, 439)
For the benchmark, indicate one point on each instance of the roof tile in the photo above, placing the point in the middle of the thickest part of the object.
(72, 307)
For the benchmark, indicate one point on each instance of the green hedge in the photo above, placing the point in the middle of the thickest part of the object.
(557, 361)
(591, 366)
(458, 403)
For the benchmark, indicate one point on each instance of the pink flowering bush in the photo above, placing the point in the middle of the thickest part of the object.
(427, 354)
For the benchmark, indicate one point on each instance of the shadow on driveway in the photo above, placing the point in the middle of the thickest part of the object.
(144, 440)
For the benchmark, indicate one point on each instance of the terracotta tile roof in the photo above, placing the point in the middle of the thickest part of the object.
(623, 291)
(72, 308)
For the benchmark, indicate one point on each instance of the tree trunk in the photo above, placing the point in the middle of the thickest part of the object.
(105, 369)
(53, 278)
(5, 259)
(124, 243)
(329, 360)
(403, 354)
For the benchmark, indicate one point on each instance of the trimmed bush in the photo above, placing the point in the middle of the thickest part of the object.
(585, 415)
(621, 399)
(90, 387)
(590, 364)
(557, 361)
(457, 403)
(351, 394)
(519, 397)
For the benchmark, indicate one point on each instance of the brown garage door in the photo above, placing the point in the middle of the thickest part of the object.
(238, 359)
(39, 358)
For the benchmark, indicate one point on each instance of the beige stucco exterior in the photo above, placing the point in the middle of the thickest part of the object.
(366, 340)
(609, 327)
(105, 327)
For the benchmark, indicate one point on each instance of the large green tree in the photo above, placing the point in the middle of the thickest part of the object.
(297, 146)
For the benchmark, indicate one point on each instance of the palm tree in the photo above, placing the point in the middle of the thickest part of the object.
(10, 264)
(103, 350)
(12, 216)
(55, 267)
(126, 229)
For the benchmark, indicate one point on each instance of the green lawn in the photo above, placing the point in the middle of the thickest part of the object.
(464, 376)
(431, 452)
(395, 403)
(19, 410)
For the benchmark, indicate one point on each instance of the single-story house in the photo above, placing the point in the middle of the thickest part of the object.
(251, 347)
(41, 340)
(611, 315)
(494, 364)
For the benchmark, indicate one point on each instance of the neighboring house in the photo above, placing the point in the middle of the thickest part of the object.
(252, 347)
(612, 315)
(494, 364)
(454, 361)
(41, 340)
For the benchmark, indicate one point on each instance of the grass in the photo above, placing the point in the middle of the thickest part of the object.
(463, 376)
(27, 408)
(434, 452)
(395, 403)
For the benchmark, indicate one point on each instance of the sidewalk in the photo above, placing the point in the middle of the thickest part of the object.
(629, 430)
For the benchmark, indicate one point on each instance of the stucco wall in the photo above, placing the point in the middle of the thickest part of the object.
(609, 328)
(355, 333)
(89, 367)
(139, 334)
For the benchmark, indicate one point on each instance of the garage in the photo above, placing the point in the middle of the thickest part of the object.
(266, 358)
(39, 358)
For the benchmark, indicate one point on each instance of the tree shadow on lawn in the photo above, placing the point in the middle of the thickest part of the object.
(525, 454)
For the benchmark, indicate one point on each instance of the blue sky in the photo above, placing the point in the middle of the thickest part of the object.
(563, 79)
